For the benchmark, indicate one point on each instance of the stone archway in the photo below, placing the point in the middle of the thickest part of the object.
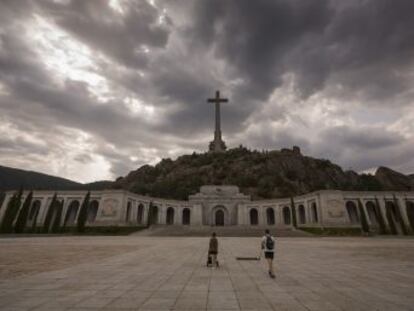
(72, 213)
(286, 215)
(219, 218)
(352, 212)
(254, 217)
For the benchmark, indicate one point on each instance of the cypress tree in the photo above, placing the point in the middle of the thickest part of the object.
(364, 221)
(11, 212)
(381, 222)
(83, 213)
(24, 213)
(5, 224)
(292, 203)
(49, 214)
(56, 221)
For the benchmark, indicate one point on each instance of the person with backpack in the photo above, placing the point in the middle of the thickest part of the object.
(268, 247)
(213, 250)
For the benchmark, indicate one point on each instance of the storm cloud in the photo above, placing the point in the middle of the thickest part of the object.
(93, 89)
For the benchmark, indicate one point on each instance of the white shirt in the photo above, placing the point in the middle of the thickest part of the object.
(264, 247)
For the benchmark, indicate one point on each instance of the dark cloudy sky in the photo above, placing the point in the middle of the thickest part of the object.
(93, 89)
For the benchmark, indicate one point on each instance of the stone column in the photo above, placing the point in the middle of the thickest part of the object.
(161, 214)
(383, 212)
(196, 218)
(145, 213)
(66, 203)
(44, 206)
(367, 215)
(178, 215)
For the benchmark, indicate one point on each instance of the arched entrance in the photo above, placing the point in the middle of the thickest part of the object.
(352, 212)
(219, 218)
(254, 217)
(302, 215)
(270, 215)
(72, 212)
(170, 216)
(186, 216)
(286, 215)
(410, 213)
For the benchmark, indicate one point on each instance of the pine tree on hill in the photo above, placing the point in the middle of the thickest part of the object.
(11, 212)
(23, 214)
(83, 213)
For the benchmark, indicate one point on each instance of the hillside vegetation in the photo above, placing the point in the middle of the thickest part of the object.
(267, 174)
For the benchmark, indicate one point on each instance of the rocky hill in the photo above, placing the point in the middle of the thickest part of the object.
(268, 174)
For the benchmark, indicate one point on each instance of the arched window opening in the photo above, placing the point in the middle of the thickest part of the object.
(352, 212)
(254, 217)
(286, 215)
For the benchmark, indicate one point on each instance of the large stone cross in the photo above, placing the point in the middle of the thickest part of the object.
(217, 144)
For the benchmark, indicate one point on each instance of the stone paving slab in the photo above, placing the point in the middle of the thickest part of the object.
(170, 274)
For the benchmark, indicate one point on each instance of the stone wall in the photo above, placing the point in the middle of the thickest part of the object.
(327, 208)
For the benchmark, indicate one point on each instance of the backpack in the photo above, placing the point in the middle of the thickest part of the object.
(270, 244)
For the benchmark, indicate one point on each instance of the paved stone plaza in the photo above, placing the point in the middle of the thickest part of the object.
(148, 273)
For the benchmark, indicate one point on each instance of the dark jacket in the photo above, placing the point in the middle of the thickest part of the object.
(213, 247)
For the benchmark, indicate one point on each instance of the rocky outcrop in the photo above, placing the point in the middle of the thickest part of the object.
(392, 180)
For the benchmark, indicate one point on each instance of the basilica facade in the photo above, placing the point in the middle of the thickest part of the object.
(226, 206)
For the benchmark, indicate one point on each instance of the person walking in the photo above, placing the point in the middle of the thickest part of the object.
(268, 247)
(213, 249)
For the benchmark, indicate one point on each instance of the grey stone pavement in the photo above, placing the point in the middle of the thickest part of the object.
(170, 274)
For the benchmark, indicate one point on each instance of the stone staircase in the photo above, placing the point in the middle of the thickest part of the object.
(227, 231)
